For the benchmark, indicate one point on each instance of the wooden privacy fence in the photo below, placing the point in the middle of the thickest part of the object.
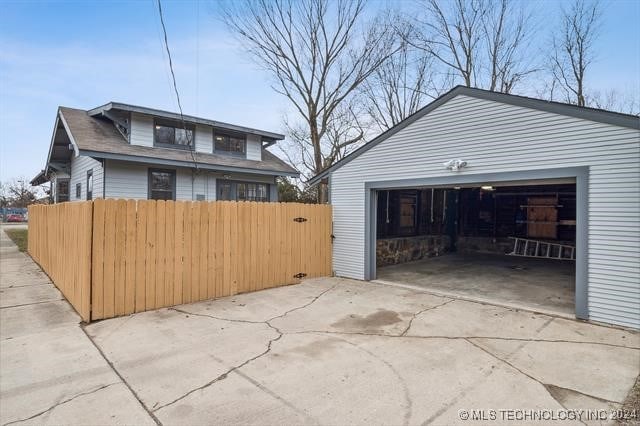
(115, 257)
(60, 242)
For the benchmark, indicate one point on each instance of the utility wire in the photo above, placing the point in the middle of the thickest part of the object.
(175, 87)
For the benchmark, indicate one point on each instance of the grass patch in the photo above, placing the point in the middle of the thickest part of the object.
(631, 406)
(19, 237)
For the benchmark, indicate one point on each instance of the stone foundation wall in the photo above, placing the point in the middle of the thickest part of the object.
(390, 251)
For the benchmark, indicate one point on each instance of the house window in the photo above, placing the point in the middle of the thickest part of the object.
(243, 191)
(173, 135)
(62, 190)
(89, 185)
(162, 184)
(224, 191)
(230, 144)
(252, 192)
(78, 190)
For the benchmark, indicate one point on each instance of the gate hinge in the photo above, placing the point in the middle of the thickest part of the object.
(300, 219)
(300, 275)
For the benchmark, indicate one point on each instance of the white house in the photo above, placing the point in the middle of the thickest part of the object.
(474, 170)
(125, 151)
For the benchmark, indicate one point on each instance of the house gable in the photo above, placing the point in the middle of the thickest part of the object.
(589, 114)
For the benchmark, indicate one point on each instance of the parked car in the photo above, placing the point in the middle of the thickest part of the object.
(15, 218)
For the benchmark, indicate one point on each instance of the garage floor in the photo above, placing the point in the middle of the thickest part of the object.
(539, 284)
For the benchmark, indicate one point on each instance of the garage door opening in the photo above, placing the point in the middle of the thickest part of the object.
(511, 243)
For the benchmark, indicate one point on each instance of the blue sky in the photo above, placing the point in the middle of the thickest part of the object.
(85, 53)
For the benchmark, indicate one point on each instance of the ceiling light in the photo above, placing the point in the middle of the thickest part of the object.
(487, 188)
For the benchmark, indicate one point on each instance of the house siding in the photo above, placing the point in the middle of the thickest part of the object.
(254, 148)
(80, 165)
(141, 130)
(495, 137)
(130, 180)
(204, 139)
(125, 180)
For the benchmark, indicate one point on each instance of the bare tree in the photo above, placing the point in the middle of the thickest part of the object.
(613, 100)
(342, 134)
(319, 52)
(453, 35)
(482, 42)
(573, 48)
(399, 87)
(18, 193)
(506, 30)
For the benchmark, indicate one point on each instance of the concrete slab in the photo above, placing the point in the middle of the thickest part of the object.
(327, 351)
(363, 353)
(360, 307)
(81, 409)
(165, 354)
(40, 370)
(35, 318)
(539, 284)
(482, 320)
(51, 373)
(599, 371)
(26, 295)
(261, 305)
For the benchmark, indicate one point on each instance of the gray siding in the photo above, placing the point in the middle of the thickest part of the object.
(254, 148)
(141, 130)
(142, 134)
(204, 139)
(495, 137)
(79, 167)
(130, 180)
(125, 180)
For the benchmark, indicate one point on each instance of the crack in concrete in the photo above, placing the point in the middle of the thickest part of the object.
(113, 368)
(403, 383)
(413, 336)
(33, 303)
(413, 317)
(276, 396)
(223, 375)
(61, 403)
(47, 283)
(266, 351)
(195, 314)
(305, 305)
(597, 398)
(544, 385)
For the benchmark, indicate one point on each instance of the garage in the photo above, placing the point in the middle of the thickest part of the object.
(509, 243)
(498, 198)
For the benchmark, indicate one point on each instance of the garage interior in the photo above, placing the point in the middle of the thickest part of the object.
(510, 243)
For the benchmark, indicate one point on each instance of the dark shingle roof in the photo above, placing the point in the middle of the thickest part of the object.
(98, 137)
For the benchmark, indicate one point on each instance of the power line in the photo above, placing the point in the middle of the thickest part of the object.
(175, 86)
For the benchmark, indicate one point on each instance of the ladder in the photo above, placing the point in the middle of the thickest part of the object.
(542, 249)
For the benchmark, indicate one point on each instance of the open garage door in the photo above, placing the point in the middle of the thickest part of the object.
(512, 243)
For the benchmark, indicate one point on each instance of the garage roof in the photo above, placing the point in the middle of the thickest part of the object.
(593, 114)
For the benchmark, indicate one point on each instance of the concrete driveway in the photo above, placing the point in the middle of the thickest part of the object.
(328, 351)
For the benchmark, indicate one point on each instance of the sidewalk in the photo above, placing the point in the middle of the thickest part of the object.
(50, 371)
